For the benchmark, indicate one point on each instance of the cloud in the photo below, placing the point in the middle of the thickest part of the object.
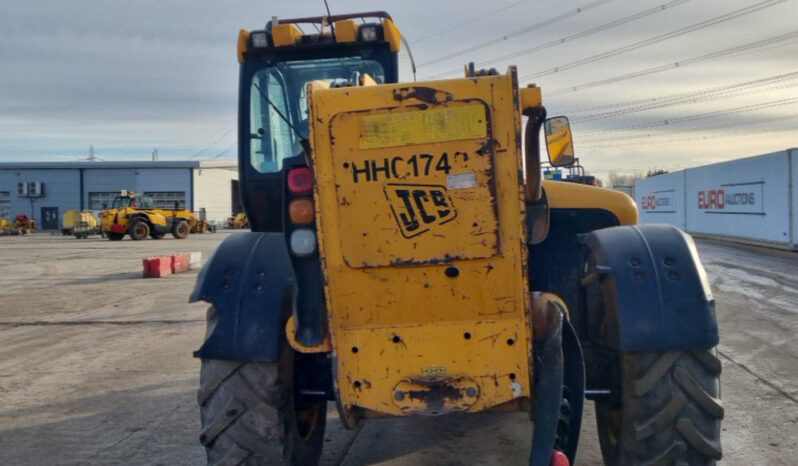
(129, 76)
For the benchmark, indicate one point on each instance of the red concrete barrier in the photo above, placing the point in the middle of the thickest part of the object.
(155, 267)
(180, 262)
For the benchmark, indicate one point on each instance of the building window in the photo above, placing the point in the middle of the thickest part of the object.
(167, 199)
(98, 201)
(5, 204)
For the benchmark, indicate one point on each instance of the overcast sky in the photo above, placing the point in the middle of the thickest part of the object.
(130, 76)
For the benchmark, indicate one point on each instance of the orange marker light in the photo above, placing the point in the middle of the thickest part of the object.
(301, 211)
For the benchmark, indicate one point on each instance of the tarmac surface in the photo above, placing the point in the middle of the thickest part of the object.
(96, 365)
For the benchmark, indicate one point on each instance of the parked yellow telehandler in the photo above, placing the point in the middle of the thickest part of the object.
(136, 216)
(237, 221)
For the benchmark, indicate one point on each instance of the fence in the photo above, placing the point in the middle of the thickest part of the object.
(752, 199)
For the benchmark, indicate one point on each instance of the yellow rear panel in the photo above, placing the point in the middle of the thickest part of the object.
(420, 221)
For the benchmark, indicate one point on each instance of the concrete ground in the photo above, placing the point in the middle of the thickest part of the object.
(96, 365)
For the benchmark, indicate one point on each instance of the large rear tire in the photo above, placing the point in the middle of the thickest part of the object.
(138, 230)
(669, 410)
(664, 408)
(251, 415)
(181, 230)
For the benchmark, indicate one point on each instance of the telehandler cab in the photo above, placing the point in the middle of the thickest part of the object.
(406, 259)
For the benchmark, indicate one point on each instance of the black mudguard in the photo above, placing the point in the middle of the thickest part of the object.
(250, 282)
(559, 390)
(655, 290)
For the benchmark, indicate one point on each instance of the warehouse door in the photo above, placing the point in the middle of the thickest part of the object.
(49, 218)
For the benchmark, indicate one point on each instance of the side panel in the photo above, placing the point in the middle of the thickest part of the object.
(448, 306)
(654, 288)
(661, 199)
(250, 283)
(747, 198)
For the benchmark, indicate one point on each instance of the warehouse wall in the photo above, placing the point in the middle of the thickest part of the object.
(61, 190)
(751, 199)
(213, 191)
(139, 180)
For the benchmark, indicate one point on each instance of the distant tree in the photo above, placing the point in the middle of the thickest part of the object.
(619, 180)
(655, 172)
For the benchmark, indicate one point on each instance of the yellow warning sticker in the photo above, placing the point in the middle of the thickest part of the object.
(423, 126)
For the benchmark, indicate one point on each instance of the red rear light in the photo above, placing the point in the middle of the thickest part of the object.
(300, 180)
(558, 458)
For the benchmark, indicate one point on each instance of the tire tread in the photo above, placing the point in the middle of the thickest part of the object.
(707, 447)
(648, 381)
(254, 434)
(670, 410)
(235, 456)
(710, 404)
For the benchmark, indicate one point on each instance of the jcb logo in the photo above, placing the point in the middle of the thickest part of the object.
(418, 208)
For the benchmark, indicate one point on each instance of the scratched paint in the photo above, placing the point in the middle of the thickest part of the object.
(419, 276)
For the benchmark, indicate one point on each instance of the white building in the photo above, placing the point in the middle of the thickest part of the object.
(45, 190)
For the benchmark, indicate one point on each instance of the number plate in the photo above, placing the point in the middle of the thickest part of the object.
(414, 185)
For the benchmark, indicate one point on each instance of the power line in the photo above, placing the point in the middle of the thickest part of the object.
(700, 116)
(517, 33)
(690, 98)
(649, 136)
(707, 98)
(579, 35)
(472, 21)
(652, 100)
(776, 40)
(225, 151)
(698, 138)
(214, 142)
(656, 39)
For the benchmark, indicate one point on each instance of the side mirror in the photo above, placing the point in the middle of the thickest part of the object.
(559, 141)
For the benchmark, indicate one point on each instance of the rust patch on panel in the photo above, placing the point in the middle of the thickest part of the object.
(435, 395)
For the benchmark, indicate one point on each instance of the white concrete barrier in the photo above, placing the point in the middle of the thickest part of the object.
(195, 260)
(753, 199)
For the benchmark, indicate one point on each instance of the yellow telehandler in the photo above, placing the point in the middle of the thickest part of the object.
(136, 216)
(237, 221)
(406, 259)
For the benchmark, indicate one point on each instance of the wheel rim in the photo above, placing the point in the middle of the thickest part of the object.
(307, 420)
(140, 230)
